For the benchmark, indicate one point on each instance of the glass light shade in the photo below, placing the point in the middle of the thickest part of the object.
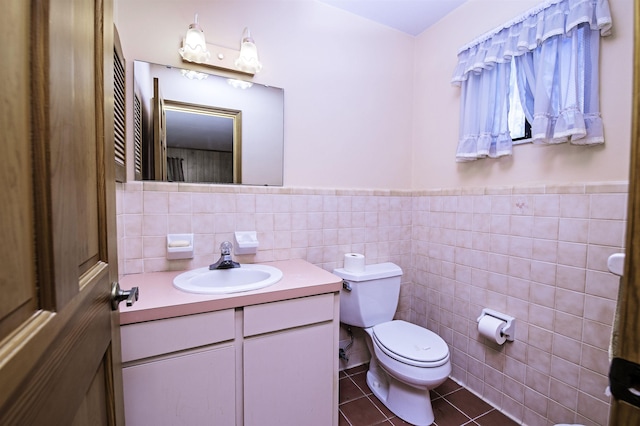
(194, 47)
(248, 59)
(194, 75)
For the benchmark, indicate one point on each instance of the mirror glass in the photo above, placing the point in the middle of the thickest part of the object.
(199, 127)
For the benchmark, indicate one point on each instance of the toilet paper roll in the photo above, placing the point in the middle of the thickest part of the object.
(354, 262)
(490, 327)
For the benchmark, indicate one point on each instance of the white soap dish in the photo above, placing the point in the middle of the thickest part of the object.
(179, 246)
(246, 242)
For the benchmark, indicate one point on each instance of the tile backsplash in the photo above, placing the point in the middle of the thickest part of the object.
(316, 225)
(537, 253)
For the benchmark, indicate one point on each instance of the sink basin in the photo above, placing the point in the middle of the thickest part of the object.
(222, 281)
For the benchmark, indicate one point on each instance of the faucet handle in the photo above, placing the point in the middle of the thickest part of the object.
(225, 248)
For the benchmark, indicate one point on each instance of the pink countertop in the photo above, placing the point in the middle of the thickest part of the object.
(160, 299)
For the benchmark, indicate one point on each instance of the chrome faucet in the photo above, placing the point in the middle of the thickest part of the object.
(225, 261)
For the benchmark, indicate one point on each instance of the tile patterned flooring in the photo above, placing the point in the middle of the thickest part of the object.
(453, 405)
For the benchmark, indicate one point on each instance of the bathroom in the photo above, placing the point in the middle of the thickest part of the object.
(371, 124)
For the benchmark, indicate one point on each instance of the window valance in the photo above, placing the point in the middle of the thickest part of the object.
(528, 31)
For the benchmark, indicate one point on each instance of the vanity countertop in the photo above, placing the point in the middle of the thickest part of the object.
(159, 299)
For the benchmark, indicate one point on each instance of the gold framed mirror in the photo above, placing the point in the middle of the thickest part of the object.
(204, 143)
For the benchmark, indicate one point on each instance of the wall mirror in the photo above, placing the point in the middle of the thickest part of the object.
(204, 128)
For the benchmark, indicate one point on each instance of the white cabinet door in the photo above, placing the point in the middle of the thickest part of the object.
(196, 388)
(289, 377)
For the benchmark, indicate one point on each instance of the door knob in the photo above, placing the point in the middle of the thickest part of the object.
(118, 295)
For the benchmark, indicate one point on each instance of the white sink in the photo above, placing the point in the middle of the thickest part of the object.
(221, 281)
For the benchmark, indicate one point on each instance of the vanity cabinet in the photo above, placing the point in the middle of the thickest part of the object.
(180, 370)
(273, 363)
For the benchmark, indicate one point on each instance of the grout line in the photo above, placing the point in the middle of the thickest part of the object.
(346, 419)
(483, 414)
(357, 387)
(364, 392)
(376, 406)
(463, 413)
(491, 408)
(448, 393)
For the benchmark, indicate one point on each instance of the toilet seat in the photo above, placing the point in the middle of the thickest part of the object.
(411, 344)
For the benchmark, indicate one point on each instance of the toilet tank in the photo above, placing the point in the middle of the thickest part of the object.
(373, 297)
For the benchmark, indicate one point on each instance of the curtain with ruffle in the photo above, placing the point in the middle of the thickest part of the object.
(556, 47)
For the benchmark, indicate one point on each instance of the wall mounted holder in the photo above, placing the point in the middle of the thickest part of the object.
(246, 242)
(179, 246)
(509, 330)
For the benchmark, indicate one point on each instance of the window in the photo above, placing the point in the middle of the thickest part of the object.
(519, 126)
(547, 58)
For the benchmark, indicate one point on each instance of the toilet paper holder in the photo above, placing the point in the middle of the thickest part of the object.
(509, 330)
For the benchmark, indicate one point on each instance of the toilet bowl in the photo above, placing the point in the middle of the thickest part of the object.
(405, 367)
(411, 353)
(406, 360)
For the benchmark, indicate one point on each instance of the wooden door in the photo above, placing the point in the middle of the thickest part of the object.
(626, 342)
(159, 133)
(59, 338)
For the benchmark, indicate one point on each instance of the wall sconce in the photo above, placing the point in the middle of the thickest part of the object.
(195, 49)
(248, 59)
(194, 46)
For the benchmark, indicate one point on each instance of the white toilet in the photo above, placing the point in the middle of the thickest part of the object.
(406, 360)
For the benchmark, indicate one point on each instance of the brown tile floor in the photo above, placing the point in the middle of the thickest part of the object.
(453, 405)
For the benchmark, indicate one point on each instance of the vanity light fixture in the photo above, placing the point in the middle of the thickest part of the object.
(194, 46)
(248, 59)
(194, 49)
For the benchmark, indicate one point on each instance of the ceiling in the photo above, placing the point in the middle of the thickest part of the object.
(409, 16)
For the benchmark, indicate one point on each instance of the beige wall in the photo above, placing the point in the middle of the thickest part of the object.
(370, 107)
(436, 108)
(347, 80)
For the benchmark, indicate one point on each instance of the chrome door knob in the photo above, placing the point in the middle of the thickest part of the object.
(118, 295)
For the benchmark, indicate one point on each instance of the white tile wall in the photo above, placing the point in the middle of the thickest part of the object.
(537, 253)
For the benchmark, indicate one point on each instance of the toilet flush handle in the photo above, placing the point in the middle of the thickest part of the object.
(346, 285)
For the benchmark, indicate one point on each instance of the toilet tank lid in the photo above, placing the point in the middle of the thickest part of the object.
(371, 272)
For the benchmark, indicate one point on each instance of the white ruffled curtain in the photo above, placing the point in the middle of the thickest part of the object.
(556, 47)
(484, 132)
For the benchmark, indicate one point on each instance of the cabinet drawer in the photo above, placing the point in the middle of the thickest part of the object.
(290, 313)
(152, 338)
